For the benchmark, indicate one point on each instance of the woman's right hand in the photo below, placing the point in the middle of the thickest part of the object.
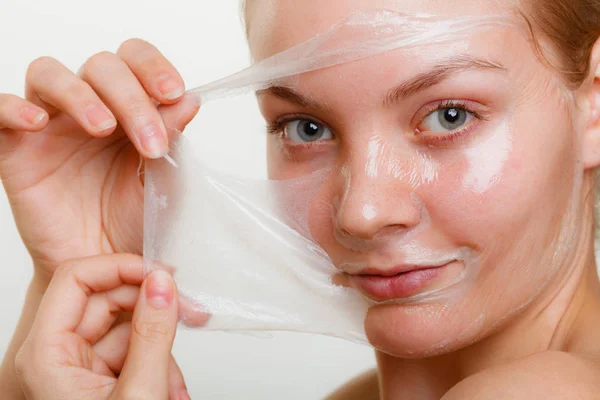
(69, 151)
(74, 350)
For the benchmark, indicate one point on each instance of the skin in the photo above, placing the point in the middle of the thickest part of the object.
(73, 349)
(537, 336)
(548, 344)
(74, 186)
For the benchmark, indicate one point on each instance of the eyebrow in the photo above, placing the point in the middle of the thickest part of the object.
(406, 89)
(291, 96)
(438, 74)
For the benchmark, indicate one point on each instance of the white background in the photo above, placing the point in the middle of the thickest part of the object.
(205, 41)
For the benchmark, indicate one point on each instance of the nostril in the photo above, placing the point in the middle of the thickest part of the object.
(392, 230)
(344, 232)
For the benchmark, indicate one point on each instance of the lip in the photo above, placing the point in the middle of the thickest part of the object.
(400, 282)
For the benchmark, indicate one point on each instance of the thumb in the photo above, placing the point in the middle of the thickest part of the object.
(146, 369)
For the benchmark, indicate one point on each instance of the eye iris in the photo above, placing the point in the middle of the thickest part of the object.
(309, 131)
(452, 118)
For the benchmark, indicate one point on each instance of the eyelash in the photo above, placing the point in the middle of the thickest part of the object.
(453, 136)
(275, 127)
(298, 151)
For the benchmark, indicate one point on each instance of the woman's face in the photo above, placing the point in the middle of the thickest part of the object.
(456, 174)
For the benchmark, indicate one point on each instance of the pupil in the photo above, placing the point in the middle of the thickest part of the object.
(310, 129)
(452, 115)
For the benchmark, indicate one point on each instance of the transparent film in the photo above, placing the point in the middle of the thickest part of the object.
(292, 203)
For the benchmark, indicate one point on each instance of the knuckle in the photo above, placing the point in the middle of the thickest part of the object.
(98, 62)
(152, 331)
(40, 66)
(76, 90)
(6, 103)
(133, 44)
(141, 110)
(145, 58)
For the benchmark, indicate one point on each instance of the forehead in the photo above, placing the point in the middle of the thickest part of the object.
(276, 25)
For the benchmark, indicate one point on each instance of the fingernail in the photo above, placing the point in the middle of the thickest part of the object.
(33, 115)
(153, 141)
(195, 98)
(183, 395)
(99, 118)
(170, 88)
(159, 289)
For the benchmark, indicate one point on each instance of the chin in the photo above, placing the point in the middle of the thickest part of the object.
(419, 331)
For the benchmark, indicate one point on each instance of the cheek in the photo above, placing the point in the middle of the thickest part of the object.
(320, 221)
(506, 189)
(271, 162)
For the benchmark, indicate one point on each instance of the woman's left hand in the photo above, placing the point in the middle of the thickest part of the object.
(73, 351)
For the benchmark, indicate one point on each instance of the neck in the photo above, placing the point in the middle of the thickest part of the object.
(561, 319)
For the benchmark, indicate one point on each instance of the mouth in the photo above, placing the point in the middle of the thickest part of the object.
(400, 282)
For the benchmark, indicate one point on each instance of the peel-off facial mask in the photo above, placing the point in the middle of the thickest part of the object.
(308, 227)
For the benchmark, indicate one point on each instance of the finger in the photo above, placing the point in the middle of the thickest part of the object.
(66, 298)
(21, 115)
(103, 309)
(191, 313)
(156, 74)
(177, 116)
(153, 331)
(51, 83)
(177, 387)
(113, 347)
(112, 79)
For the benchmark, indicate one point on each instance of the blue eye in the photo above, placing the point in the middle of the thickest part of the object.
(306, 131)
(446, 119)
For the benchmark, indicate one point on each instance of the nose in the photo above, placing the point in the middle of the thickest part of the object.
(371, 206)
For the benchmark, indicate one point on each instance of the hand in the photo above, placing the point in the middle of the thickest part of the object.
(74, 352)
(69, 153)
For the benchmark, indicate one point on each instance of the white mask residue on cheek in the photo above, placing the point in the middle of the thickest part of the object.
(486, 160)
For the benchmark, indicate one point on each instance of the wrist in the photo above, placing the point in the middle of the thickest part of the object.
(39, 281)
(9, 381)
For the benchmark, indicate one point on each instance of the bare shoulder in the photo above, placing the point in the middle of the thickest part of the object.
(549, 375)
(363, 387)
